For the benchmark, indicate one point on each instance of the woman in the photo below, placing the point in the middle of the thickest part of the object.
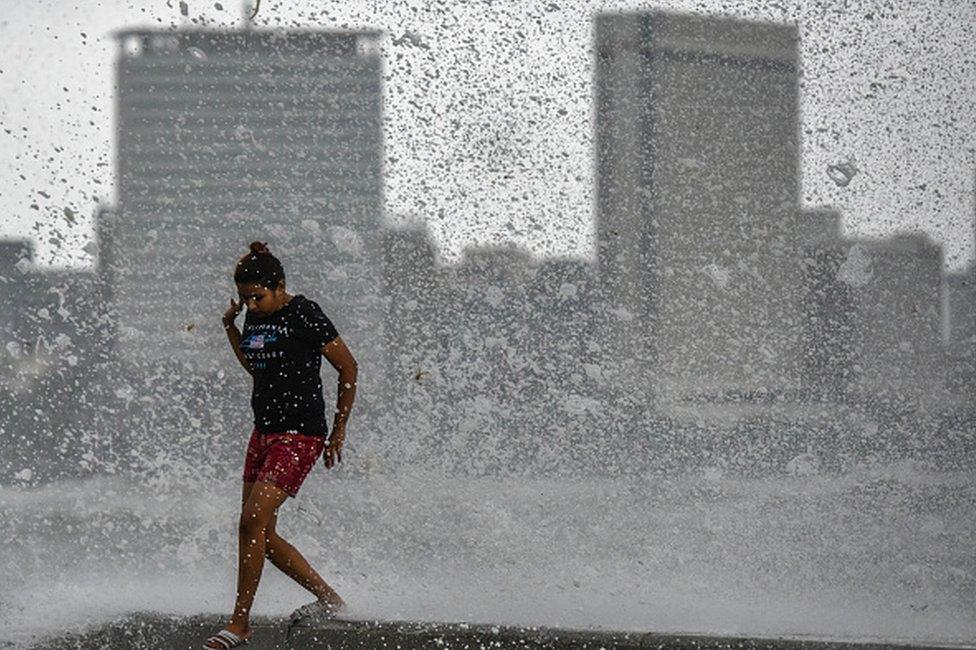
(283, 338)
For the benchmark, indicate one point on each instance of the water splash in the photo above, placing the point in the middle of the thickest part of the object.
(412, 39)
(842, 173)
(822, 555)
(856, 268)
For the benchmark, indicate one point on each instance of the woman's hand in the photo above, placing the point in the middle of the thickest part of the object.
(232, 312)
(333, 448)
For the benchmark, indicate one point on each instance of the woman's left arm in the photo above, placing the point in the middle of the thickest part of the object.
(342, 360)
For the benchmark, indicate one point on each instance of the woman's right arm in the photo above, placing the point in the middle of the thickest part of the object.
(234, 334)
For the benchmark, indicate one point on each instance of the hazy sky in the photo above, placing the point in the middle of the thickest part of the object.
(488, 123)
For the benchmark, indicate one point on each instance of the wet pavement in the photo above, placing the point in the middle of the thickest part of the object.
(145, 631)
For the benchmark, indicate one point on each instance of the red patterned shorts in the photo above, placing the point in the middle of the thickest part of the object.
(283, 459)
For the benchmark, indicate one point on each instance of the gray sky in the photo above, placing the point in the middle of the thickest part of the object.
(891, 85)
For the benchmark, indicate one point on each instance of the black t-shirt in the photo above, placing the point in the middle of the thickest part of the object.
(284, 351)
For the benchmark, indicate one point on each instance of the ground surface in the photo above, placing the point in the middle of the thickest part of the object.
(152, 631)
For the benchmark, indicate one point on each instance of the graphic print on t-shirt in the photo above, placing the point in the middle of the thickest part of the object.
(257, 341)
(284, 353)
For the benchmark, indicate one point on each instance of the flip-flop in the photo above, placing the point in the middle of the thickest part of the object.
(226, 639)
(318, 611)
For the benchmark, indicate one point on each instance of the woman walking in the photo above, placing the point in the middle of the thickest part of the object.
(283, 340)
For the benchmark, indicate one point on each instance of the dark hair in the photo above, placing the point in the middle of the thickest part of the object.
(259, 267)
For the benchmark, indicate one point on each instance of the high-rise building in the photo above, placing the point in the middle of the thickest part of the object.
(51, 367)
(897, 285)
(481, 354)
(106, 269)
(16, 259)
(961, 330)
(872, 315)
(229, 137)
(568, 383)
(563, 330)
(830, 340)
(493, 318)
(415, 324)
(413, 309)
(697, 201)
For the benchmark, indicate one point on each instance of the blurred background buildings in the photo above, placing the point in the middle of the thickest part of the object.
(698, 160)
(714, 301)
(228, 137)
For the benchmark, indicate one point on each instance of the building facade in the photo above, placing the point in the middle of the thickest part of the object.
(961, 330)
(831, 340)
(897, 283)
(229, 137)
(697, 195)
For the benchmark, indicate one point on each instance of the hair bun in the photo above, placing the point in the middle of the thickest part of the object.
(258, 247)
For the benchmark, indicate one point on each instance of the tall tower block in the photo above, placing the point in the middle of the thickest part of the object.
(959, 314)
(697, 200)
(225, 137)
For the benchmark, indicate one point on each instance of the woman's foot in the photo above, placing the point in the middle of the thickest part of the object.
(320, 609)
(231, 636)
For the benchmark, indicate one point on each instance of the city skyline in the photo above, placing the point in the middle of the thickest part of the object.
(733, 419)
(747, 311)
(211, 107)
(934, 175)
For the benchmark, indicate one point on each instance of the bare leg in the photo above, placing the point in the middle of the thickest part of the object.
(260, 506)
(290, 561)
(287, 558)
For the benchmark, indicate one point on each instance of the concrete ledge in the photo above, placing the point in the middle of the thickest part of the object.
(145, 630)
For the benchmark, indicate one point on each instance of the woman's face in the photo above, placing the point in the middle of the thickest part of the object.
(260, 300)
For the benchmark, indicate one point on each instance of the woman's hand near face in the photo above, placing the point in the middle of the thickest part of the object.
(234, 334)
(232, 311)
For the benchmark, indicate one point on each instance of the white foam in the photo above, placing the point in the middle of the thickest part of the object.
(881, 554)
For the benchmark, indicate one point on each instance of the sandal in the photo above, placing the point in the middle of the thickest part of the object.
(226, 639)
(319, 609)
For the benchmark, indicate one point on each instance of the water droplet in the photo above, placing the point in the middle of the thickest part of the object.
(718, 274)
(805, 464)
(241, 132)
(311, 226)
(184, 9)
(842, 173)
(413, 39)
(197, 53)
(855, 270)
